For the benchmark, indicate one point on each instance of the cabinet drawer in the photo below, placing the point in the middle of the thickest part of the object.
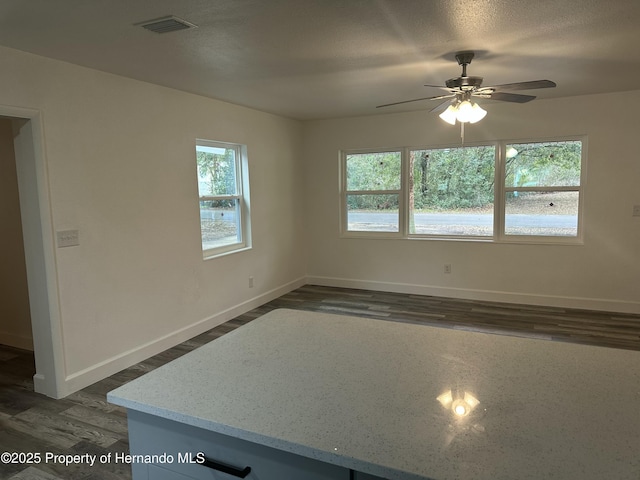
(366, 476)
(171, 445)
(158, 473)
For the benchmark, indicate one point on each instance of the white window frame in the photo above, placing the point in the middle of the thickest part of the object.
(344, 214)
(500, 191)
(241, 198)
(500, 200)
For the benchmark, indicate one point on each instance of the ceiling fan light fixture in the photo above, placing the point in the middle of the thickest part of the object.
(463, 112)
(450, 114)
(477, 113)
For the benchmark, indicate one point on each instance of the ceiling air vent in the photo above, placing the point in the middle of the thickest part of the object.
(166, 24)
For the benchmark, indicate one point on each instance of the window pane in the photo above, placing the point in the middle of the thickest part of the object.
(552, 164)
(537, 213)
(373, 213)
(216, 171)
(453, 223)
(219, 223)
(373, 171)
(452, 191)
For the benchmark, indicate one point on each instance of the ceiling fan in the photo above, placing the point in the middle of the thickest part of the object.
(458, 104)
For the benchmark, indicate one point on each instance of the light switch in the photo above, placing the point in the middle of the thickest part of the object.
(67, 238)
(636, 210)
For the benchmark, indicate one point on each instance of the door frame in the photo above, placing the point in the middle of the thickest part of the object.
(39, 248)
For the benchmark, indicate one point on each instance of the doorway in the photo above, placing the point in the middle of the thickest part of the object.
(43, 334)
(15, 320)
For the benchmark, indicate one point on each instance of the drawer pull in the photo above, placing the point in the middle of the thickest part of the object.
(224, 468)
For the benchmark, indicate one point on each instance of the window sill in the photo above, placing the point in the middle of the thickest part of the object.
(212, 254)
(562, 241)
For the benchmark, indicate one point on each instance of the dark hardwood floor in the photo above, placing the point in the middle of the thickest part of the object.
(85, 423)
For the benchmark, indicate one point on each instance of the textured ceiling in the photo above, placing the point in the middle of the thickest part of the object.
(311, 59)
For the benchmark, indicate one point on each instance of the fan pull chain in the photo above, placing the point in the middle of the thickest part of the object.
(462, 133)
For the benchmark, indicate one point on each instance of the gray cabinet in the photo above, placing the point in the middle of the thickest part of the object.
(163, 449)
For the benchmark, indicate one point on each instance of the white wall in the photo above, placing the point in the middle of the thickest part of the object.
(120, 160)
(604, 273)
(15, 318)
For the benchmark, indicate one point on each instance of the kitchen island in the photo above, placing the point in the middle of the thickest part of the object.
(307, 395)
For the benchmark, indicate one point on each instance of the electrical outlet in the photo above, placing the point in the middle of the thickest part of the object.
(447, 268)
(636, 210)
(68, 238)
(250, 282)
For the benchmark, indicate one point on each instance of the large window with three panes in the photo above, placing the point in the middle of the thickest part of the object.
(502, 191)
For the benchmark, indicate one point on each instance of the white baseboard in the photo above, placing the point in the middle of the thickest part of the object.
(598, 304)
(18, 341)
(95, 373)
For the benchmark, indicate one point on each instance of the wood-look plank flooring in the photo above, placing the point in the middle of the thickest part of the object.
(85, 423)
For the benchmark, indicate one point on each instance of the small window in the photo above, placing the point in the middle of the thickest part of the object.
(372, 193)
(542, 189)
(223, 197)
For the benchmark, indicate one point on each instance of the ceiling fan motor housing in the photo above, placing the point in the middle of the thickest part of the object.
(464, 83)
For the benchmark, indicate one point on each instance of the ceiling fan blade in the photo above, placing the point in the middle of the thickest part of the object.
(415, 100)
(440, 97)
(441, 107)
(441, 87)
(511, 97)
(522, 85)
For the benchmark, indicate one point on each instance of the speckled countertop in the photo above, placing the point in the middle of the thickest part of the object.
(379, 397)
